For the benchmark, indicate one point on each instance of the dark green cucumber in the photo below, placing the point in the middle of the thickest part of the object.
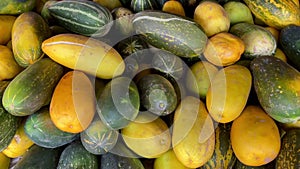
(121, 157)
(32, 88)
(39, 157)
(119, 103)
(239, 165)
(165, 31)
(290, 41)
(141, 5)
(98, 138)
(115, 161)
(277, 85)
(76, 156)
(83, 17)
(42, 131)
(8, 123)
(223, 156)
(132, 46)
(168, 63)
(157, 94)
(258, 41)
(289, 155)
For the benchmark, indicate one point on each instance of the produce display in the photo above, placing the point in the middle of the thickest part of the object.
(149, 84)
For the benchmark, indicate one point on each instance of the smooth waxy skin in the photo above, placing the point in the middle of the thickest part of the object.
(72, 105)
(255, 137)
(85, 54)
(228, 93)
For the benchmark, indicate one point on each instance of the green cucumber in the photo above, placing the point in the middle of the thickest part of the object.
(76, 156)
(141, 5)
(39, 157)
(223, 156)
(240, 165)
(115, 161)
(165, 31)
(277, 85)
(8, 123)
(42, 131)
(157, 94)
(15, 7)
(258, 41)
(168, 63)
(98, 138)
(290, 41)
(289, 156)
(32, 88)
(83, 17)
(119, 103)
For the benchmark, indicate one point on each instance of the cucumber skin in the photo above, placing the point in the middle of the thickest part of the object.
(165, 31)
(275, 83)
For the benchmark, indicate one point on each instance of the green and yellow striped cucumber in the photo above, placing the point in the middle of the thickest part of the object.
(83, 17)
(289, 156)
(277, 14)
(223, 156)
(165, 31)
(141, 5)
(32, 88)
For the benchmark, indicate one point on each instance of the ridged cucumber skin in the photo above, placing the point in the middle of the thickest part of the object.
(165, 31)
(83, 17)
(32, 88)
(277, 85)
